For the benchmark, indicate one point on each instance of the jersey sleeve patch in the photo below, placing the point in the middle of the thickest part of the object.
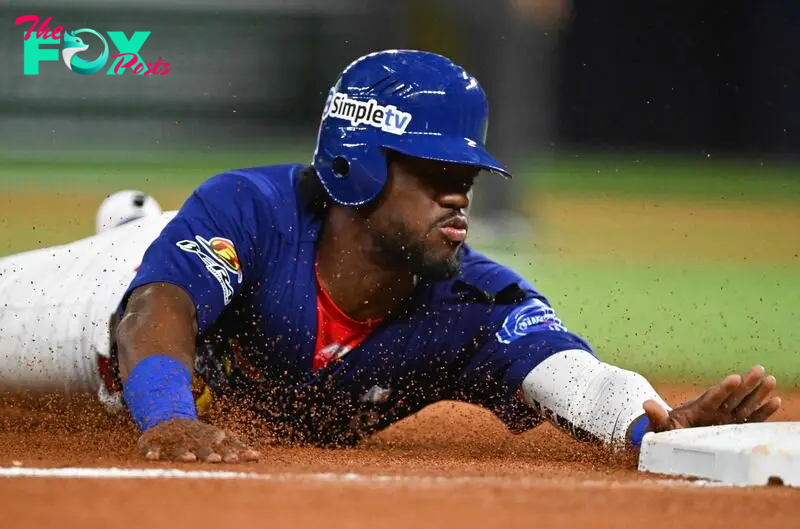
(220, 259)
(531, 315)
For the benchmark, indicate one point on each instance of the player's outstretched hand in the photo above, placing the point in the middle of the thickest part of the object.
(189, 440)
(735, 399)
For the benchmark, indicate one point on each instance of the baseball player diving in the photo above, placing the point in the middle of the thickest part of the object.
(333, 299)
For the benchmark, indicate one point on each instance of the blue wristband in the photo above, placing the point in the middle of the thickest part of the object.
(638, 429)
(159, 389)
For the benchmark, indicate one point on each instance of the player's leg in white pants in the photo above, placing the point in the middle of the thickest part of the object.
(55, 305)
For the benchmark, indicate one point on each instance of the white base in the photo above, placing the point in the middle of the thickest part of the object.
(739, 454)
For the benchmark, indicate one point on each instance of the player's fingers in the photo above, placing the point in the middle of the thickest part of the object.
(244, 453)
(187, 457)
(755, 399)
(249, 455)
(714, 398)
(213, 457)
(177, 452)
(657, 415)
(236, 450)
(750, 381)
(208, 454)
(766, 411)
(231, 457)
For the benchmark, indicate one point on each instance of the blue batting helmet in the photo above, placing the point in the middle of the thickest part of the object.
(413, 102)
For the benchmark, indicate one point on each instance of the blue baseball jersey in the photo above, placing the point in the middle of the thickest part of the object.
(243, 246)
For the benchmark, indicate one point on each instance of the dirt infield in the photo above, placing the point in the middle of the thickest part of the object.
(452, 465)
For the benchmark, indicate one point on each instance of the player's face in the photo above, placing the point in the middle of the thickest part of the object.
(422, 215)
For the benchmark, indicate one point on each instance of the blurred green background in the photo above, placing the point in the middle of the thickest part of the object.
(656, 198)
(681, 269)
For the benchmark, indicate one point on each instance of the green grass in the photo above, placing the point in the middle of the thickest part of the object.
(152, 171)
(618, 175)
(700, 177)
(687, 322)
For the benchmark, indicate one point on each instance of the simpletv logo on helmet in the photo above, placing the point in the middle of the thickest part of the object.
(387, 118)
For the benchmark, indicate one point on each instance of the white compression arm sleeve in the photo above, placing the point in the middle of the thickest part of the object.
(593, 397)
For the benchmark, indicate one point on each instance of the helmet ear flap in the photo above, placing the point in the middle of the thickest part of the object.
(352, 175)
